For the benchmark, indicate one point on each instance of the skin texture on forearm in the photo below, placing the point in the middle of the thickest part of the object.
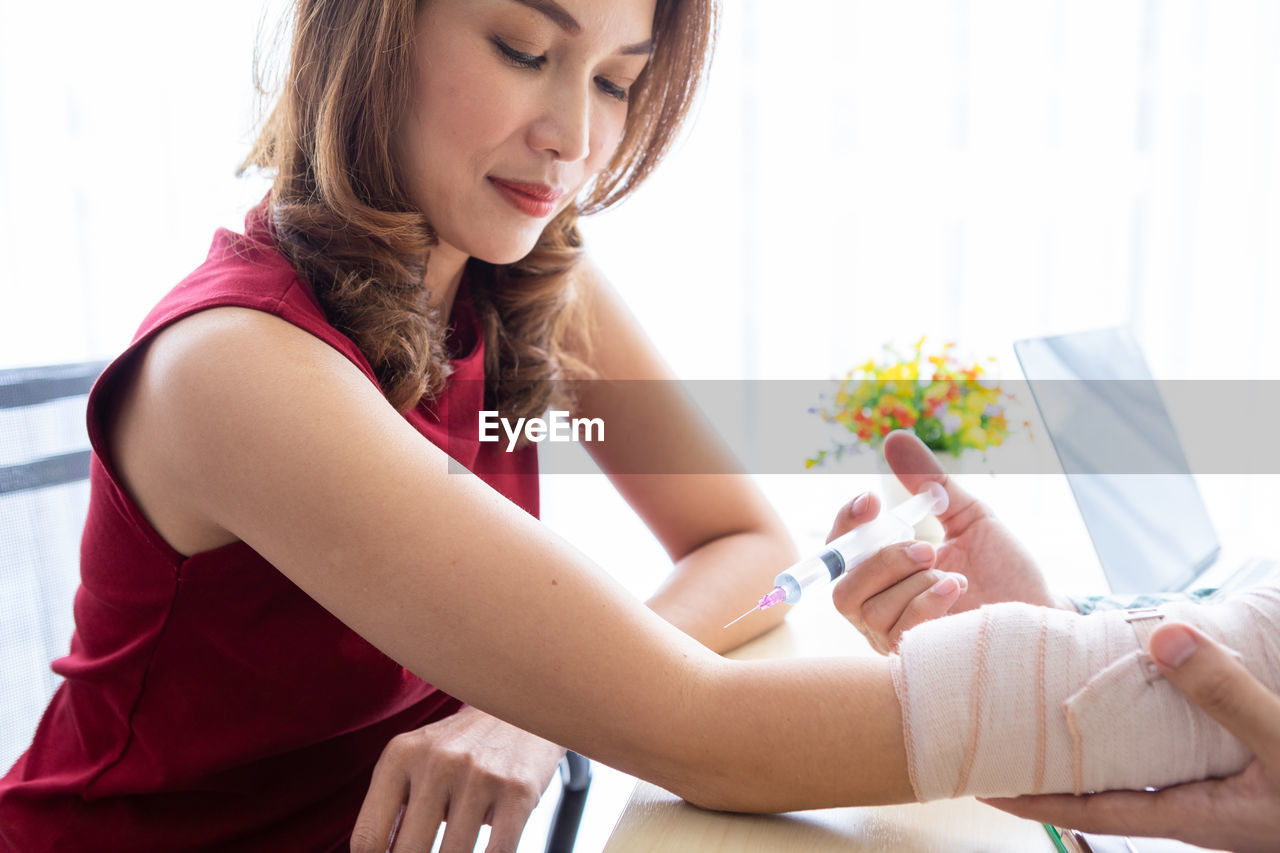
(778, 707)
(717, 582)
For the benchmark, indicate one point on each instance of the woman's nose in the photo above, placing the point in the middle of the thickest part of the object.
(563, 126)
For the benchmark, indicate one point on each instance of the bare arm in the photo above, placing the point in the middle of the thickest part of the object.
(727, 543)
(240, 426)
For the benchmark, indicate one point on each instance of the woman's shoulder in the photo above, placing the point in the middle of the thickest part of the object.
(245, 304)
(160, 420)
(241, 270)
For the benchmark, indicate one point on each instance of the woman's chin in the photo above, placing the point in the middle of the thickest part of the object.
(508, 253)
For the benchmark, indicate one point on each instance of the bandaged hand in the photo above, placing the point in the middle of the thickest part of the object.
(1239, 813)
(1014, 699)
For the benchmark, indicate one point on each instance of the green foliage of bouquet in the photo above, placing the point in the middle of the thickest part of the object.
(950, 406)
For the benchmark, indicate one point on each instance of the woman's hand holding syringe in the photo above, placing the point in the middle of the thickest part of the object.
(845, 551)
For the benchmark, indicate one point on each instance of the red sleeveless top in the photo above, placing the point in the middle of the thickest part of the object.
(208, 703)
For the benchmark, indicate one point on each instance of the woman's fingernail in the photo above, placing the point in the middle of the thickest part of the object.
(860, 503)
(1173, 646)
(921, 552)
(947, 586)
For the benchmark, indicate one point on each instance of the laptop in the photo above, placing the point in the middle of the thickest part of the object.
(1126, 467)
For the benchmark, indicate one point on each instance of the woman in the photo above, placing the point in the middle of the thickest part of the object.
(285, 585)
(430, 161)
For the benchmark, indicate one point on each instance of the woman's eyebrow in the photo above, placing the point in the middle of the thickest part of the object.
(555, 12)
(562, 19)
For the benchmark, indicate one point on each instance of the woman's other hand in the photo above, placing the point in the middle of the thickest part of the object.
(1240, 813)
(979, 562)
(468, 769)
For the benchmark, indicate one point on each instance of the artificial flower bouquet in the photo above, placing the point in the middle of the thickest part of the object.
(951, 406)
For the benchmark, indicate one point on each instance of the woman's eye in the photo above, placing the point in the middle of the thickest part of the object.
(518, 57)
(611, 89)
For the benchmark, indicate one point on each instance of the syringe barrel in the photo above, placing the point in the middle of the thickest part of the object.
(865, 540)
(845, 552)
(812, 571)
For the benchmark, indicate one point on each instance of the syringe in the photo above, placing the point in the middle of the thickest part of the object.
(845, 552)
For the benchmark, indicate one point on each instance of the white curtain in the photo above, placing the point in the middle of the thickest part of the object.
(859, 172)
(977, 171)
(121, 125)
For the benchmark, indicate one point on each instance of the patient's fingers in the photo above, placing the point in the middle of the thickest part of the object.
(934, 603)
(883, 590)
(882, 611)
(922, 596)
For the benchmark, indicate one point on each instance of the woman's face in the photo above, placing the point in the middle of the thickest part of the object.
(518, 103)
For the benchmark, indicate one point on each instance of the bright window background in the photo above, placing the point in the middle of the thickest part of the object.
(859, 172)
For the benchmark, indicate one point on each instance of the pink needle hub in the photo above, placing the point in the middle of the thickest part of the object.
(777, 596)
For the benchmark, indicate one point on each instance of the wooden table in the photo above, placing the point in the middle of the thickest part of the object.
(655, 820)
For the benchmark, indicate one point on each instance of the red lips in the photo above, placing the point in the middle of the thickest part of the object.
(536, 200)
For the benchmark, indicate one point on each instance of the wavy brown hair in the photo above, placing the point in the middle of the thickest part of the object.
(340, 212)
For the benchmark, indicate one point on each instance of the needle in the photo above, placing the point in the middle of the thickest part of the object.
(743, 616)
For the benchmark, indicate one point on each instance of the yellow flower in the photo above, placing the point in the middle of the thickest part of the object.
(953, 406)
(901, 371)
(973, 436)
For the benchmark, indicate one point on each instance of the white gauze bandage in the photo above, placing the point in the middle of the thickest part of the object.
(1015, 699)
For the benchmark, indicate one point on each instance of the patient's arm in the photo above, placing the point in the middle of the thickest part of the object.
(1241, 812)
(1015, 699)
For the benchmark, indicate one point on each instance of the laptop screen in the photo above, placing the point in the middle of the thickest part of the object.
(1106, 419)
